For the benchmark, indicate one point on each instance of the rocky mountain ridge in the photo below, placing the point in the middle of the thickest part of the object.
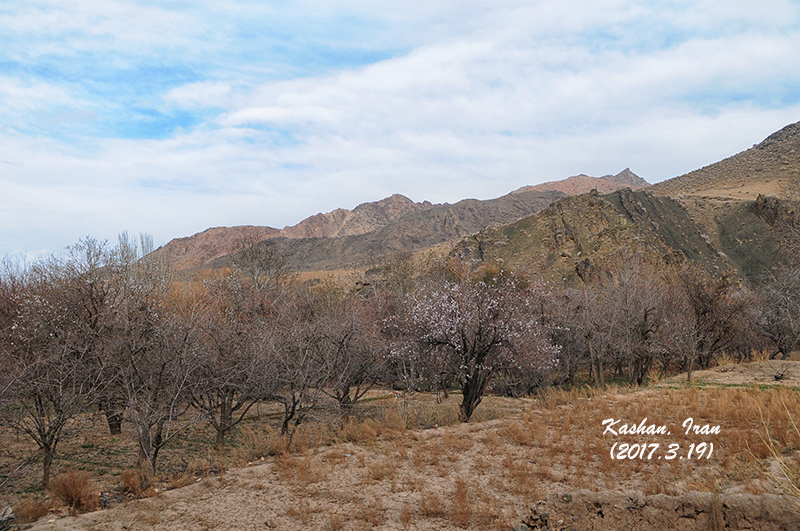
(203, 248)
(583, 184)
(412, 232)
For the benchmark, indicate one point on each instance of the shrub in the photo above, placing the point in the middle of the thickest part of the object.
(135, 481)
(75, 489)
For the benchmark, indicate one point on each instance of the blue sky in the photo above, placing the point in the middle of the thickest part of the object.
(170, 117)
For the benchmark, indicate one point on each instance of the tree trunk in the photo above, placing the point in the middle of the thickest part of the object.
(472, 392)
(114, 421)
(47, 453)
(220, 440)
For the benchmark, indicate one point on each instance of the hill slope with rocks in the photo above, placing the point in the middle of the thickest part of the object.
(575, 238)
(769, 168)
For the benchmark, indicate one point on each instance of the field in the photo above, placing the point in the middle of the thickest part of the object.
(405, 463)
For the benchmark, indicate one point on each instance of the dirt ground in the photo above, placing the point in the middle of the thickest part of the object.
(550, 465)
(767, 372)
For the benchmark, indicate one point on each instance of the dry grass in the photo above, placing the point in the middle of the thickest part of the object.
(383, 466)
(406, 515)
(789, 475)
(303, 470)
(372, 512)
(29, 510)
(76, 490)
(136, 482)
(461, 504)
(431, 505)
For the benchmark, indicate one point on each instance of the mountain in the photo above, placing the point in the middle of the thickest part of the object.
(583, 184)
(735, 216)
(730, 200)
(193, 251)
(416, 230)
(731, 216)
(365, 218)
(393, 224)
(203, 247)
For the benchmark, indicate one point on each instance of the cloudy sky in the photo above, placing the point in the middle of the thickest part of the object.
(169, 117)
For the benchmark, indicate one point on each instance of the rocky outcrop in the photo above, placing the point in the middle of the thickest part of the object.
(6, 518)
(576, 238)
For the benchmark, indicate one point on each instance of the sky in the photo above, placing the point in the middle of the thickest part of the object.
(169, 117)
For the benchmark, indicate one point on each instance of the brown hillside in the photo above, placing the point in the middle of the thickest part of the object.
(769, 168)
(583, 184)
(721, 199)
(575, 238)
(193, 251)
(205, 246)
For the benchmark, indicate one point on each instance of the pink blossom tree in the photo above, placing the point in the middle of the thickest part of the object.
(467, 331)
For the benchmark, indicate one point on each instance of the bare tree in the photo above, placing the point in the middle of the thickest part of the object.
(152, 349)
(262, 264)
(779, 316)
(293, 342)
(53, 315)
(137, 277)
(352, 349)
(716, 314)
(231, 375)
(634, 293)
(156, 364)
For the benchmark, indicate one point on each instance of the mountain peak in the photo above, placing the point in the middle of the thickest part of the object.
(582, 183)
(628, 179)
